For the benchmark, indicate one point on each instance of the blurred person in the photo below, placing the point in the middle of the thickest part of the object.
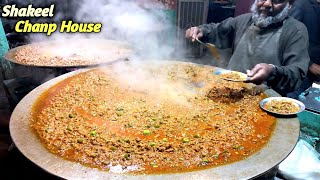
(308, 12)
(4, 119)
(267, 44)
(6, 68)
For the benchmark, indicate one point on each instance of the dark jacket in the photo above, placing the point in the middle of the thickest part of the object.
(289, 54)
(308, 12)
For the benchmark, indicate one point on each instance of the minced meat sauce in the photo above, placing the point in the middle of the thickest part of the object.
(166, 124)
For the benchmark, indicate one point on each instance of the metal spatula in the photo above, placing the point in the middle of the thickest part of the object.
(212, 49)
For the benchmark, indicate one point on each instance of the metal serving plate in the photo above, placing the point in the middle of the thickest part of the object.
(282, 142)
(297, 103)
(244, 77)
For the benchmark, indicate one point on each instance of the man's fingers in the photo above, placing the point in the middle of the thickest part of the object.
(193, 33)
(200, 34)
(258, 77)
(188, 34)
(253, 71)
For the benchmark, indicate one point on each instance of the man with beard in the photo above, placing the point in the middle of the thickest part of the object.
(266, 44)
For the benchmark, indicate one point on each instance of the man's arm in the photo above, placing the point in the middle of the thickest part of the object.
(224, 35)
(220, 34)
(289, 75)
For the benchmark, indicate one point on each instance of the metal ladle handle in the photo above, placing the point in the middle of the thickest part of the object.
(211, 47)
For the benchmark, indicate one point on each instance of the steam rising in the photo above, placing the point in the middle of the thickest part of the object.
(149, 78)
(145, 26)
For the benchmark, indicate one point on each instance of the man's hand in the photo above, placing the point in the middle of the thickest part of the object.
(315, 69)
(194, 33)
(259, 73)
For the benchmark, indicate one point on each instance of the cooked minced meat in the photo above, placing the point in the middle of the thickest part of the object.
(106, 117)
(71, 53)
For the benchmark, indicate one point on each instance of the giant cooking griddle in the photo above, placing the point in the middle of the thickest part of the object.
(106, 48)
(282, 142)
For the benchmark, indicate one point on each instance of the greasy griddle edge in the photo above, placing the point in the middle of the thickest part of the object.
(10, 55)
(277, 149)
